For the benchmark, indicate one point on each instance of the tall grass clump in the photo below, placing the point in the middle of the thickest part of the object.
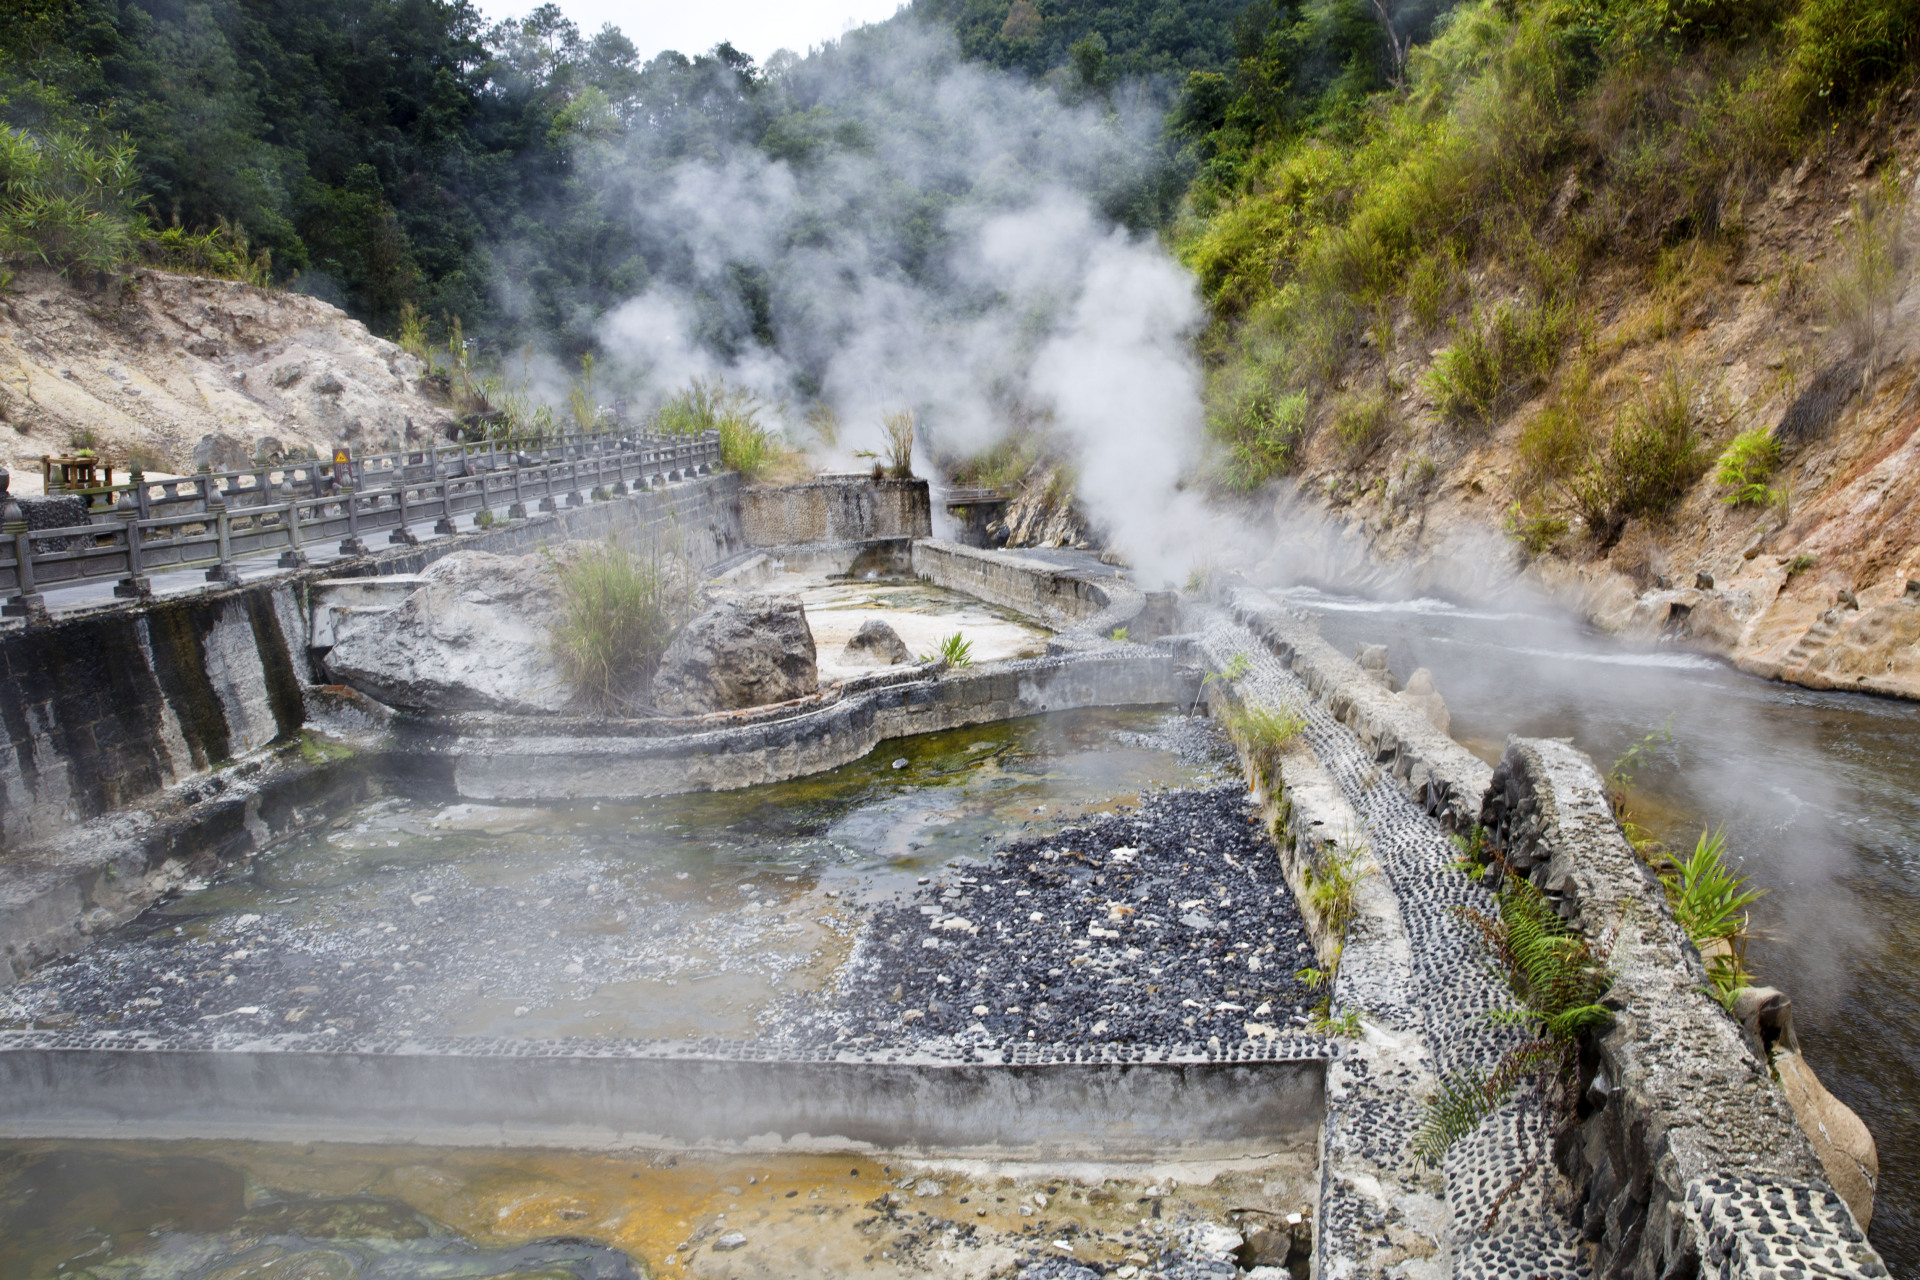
(1498, 358)
(896, 452)
(1652, 457)
(1360, 424)
(1262, 436)
(1332, 882)
(1558, 978)
(617, 612)
(1263, 733)
(1859, 292)
(1656, 452)
(746, 445)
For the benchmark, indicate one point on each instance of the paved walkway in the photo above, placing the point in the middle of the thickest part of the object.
(1504, 1199)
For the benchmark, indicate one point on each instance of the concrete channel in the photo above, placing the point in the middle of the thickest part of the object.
(1646, 1180)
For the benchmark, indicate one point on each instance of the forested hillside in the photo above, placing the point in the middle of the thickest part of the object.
(396, 154)
(377, 150)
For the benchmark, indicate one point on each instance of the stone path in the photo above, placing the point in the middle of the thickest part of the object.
(1505, 1202)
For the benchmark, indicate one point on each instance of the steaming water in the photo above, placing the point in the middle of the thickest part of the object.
(1819, 793)
(683, 917)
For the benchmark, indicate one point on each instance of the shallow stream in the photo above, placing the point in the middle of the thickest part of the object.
(679, 918)
(689, 916)
(1819, 794)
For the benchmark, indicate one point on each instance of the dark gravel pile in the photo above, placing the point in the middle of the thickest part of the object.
(1167, 926)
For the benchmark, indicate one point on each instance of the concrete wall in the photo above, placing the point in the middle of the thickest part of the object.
(100, 874)
(525, 759)
(1687, 1157)
(107, 708)
(1084, 605)
(835, 509)
(575, 1093)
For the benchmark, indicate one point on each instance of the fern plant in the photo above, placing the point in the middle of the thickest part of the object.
(1744, 468)
(1559, 978)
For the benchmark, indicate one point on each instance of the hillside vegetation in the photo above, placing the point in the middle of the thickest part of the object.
(1614, 292)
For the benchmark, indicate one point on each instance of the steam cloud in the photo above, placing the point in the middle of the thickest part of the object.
(958, 256)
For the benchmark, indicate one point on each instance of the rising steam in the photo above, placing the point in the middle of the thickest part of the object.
(950, 248)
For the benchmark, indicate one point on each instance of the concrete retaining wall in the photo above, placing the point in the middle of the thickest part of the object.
(508, 758)
(1085, 606)
(835, 509)
(578, 1093)
(105, 709)
(1687, 1158)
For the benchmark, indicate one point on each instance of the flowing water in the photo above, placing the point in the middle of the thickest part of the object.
(680, 918)
(1819, 794)
(266, 1211)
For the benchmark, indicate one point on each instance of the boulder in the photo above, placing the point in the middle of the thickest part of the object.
(875, 644)
(1372, 659)
(745, 651)
(221, 452)
(473, 638)
(1424, 698)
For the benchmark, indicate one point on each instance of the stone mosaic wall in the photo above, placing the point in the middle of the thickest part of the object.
(1686, 1158)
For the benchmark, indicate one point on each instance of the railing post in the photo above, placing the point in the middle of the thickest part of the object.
(401, 535)
(546, 486)
(217, 507)
(295, 556)
(136, 585)
(517, 510)
(445, 478)
(25, 602)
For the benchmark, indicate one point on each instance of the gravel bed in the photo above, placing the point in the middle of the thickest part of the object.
(1168, 925)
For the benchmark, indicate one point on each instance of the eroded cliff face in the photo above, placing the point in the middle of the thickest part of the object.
(1813, 589)
(180, 370)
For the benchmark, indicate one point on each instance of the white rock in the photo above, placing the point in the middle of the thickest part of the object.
(473, 638)
(729, 1242)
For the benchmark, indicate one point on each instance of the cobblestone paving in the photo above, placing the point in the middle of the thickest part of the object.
(1506, 1200)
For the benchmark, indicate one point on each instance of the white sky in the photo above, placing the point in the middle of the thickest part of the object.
(756, 27)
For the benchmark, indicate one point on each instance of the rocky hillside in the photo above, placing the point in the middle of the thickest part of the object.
(1810, 583)
(174, 371)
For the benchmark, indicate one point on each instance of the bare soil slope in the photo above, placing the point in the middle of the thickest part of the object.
(180, 370)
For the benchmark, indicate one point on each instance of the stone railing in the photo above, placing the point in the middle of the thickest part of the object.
(1686, 1156)
(208, 521)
